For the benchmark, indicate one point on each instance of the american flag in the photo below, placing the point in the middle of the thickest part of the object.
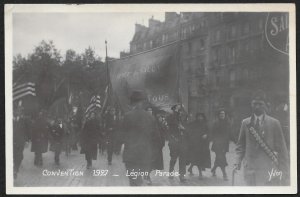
(95, 103)
(22, 90)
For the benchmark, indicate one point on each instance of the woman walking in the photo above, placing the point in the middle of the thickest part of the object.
(220, 142)
(199, 154)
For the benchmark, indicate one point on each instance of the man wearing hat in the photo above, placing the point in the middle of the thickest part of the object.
(177, 142)
(261, 146)
(138, 127)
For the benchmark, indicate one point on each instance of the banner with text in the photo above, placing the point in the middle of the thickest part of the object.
(155, 72)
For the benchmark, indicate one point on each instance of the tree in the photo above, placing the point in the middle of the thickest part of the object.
(20, 67)
(46, 64)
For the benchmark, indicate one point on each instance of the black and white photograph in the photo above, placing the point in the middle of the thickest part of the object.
(160, 98)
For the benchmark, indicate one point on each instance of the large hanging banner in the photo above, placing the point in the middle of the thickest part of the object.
(155, 72)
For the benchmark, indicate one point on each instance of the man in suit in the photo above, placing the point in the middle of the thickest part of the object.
(138, 127)
(261, 146)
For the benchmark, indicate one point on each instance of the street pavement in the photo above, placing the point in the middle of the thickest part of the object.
(74, 173)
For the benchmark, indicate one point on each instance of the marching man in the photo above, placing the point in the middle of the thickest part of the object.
(261, 146)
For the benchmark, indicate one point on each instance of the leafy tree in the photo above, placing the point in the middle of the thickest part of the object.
(83, 74)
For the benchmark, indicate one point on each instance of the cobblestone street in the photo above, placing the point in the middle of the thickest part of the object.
(31, 176)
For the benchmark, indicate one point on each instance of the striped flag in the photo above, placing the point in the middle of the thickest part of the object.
(95, 103)
(22, 90)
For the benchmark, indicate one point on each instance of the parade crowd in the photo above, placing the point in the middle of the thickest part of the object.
(144, 131)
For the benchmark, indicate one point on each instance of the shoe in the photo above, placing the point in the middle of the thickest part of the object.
(109, 163)
(182, 179)
(88, 166)
(191, 171)
(213, 172)
(148, 180)
(225, 178)
(200, 176)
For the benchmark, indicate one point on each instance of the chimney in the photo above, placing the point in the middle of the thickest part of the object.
(171, 16)
(139, 27)
(153, 23)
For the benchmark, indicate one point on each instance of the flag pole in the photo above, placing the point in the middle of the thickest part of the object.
(179, 62)
(107, 89)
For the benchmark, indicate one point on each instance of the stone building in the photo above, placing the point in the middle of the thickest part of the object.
(225, 55)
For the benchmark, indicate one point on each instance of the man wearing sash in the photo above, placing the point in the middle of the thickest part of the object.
(261, 146)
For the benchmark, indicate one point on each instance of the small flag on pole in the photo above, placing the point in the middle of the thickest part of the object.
(95, 103)
(22, 90)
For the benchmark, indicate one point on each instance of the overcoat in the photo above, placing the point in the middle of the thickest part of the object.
(56, 136)
(256, 163)
(40, 136)
(20, 135)
(89, 138)
(220, 136)
(21, 132)
(178, 138)
(138, 128)
(110, 127)
(199, 153)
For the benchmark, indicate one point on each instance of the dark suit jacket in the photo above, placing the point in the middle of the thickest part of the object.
(138, 128)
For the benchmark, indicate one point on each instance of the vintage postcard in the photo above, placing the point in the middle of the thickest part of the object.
(150, 99)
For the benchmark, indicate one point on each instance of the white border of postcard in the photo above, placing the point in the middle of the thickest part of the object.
(31, 8)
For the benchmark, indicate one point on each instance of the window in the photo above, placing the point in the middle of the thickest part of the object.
(260, 24)
(165, 38)
(246, 28)
(192, 28)
(218, 80)
(245, 74)
(202, 68)
(232, 53)
(233, 32)
(133, 48)
(217, 35)
(201, 24)
(184, 33)
(217, 56)
(232, 78)
(202, 44)
(189, 47)
(151, 44)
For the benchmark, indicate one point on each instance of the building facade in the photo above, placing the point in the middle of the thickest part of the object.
(225, 55)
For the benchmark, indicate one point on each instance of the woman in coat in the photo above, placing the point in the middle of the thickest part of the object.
(89, 139)
(220, 142)
(199, 154)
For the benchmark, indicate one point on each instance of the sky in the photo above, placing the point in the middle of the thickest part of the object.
(77, 31)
